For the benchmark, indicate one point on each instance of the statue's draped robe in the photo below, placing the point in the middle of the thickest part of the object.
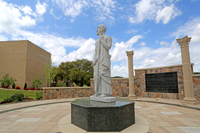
(102, 74)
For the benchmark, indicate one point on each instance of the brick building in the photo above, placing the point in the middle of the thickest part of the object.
(24, 61)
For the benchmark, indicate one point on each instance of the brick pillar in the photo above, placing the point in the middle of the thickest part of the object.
(187, 70)
(131, 78)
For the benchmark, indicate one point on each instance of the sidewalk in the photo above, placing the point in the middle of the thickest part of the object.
(43, 116)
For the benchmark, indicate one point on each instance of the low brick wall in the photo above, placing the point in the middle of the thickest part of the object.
(196, 86)
(66, 92)
(120, 86)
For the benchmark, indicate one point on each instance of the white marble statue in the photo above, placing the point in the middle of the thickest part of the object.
(101, 64)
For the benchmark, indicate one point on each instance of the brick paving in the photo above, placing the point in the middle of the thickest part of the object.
(163, 115)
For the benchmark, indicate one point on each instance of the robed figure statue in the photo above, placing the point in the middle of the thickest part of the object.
(101, 64)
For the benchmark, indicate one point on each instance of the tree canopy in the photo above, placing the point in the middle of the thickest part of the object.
(78, 72)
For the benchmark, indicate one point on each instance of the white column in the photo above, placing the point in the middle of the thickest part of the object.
(131, 77)
(187, 70)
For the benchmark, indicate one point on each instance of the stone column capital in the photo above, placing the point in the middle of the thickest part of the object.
(130, 53)
(184, 41)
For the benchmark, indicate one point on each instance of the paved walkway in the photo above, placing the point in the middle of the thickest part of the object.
(163, 115)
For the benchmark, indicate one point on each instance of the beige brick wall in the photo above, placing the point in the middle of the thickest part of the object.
(23, 60)
(37, 59)
(12, 60)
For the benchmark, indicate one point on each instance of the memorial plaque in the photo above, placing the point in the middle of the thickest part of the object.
(162, 82)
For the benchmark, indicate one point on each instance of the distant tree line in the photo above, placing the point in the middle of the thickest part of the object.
(196, 73)
(117, 77)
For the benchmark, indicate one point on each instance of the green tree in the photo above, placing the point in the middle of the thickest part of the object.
(60, 84)
(51, 72)
(37, 83)
(79, 72)
(8, 80)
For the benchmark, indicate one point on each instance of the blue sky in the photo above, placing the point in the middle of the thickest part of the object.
(67, 29)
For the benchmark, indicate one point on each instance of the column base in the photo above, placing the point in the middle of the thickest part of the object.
(187, 100)
(132, 96)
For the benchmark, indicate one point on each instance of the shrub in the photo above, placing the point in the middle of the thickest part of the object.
(38, 89)
(85, 85)
(37, 83)
(32, 88)
(17, 87)
(7, 100)
(60, 84)
(7, 80)
(39, 95)
(2, 84)
(17, 97)
(26, 89)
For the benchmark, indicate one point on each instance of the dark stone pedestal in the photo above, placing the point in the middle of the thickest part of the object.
(100, 117)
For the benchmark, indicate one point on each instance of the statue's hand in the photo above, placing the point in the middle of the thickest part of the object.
(100, 36)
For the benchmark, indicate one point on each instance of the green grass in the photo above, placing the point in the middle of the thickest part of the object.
(30, 94)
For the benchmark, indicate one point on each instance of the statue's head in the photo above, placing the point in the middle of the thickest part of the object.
(101, 28)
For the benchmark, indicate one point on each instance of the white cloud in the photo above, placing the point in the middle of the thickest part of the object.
(148, 57)
(27, 10)
(141, 53)
(164, 43)
(167, 13)
(41, 8)
(58, 46)
(86, 51)
(71, 8)
(102, 8)
(154, 10)
(12, 19)
(3, 38)
(131, 20)
(118, 53)
(51, 12)
(117, 70)
(132, 31)
(191, 29)
(142, 43)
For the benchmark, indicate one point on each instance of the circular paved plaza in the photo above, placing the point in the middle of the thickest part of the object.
(53, 116)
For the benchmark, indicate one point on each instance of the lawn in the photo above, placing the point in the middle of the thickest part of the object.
(30, 94)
